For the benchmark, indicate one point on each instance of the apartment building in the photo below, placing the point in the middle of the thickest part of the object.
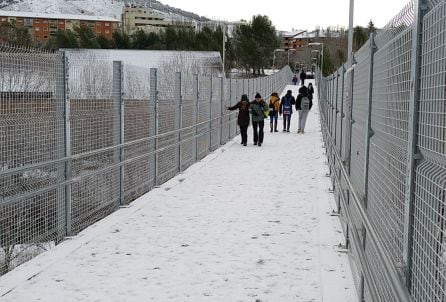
(43, 26)
(140, 18)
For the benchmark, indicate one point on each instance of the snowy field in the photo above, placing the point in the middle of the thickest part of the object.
(244, 224)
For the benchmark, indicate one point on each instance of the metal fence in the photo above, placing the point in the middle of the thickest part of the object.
(384, 129)
(77, 140)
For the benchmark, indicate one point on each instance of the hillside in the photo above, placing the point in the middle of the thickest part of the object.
(110, 8)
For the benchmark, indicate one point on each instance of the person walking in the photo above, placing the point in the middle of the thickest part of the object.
(286, 108)
(311, 90)
(303, 76)
(257, 107)
(243, 117)
(303, 106)
(274, 105)
(295, 79)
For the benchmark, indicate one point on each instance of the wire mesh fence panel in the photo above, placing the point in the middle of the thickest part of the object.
(388, 147)
(359, 130)
(188, 120)
(380, 281)
(215, 112)
(139, 118)
(204, 100)
(355, 265)
(226, 115)
(432, 111)
(236, 89)
(168, 125)
(95, 122)
(429, 239)
(32, 206)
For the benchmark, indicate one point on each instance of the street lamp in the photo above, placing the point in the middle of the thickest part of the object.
(322, 52)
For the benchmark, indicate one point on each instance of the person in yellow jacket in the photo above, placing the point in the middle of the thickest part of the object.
(274, 105)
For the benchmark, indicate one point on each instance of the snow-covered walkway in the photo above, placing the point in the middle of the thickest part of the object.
(244, 224)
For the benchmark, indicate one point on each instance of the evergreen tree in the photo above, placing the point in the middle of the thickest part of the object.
(105, 43)
(254, 44)
(87, 37)
(360, 36)
(63, 39)
(121, 40)
(371, 27)
(16, 35)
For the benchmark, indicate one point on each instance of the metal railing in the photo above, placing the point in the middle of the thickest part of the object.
(384, 128)
(80, 137)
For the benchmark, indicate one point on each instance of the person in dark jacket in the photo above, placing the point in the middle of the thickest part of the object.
(286, 108)
(303, 96)
(303, 76)
(257, 107)
(295, 79)
(311, 90)
(243, 117)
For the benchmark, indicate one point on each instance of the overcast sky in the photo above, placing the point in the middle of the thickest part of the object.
(297, 14)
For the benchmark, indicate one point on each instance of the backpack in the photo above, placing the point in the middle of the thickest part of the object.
(305, 103)
(287, 103)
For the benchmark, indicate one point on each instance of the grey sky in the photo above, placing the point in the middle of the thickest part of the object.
(298, 14)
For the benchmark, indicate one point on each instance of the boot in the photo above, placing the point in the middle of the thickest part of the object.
(275, 126)
(271, 126)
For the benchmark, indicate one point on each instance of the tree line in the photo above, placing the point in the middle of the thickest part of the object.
(250, 47)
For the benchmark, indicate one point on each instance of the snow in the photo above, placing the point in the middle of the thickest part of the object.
(244, 224)
(109, 8)
(56, 16)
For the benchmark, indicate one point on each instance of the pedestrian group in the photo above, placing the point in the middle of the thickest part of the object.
(257, 110)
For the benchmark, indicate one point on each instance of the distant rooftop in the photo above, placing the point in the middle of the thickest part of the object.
(291, 34)
(55, 16)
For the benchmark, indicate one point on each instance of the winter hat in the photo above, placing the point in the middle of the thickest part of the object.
(244, 97)
(258, 96)
(289, 92)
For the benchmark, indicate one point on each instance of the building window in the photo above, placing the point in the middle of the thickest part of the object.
(107, 31)
(37, 21)
(36, 29)
(107, 24)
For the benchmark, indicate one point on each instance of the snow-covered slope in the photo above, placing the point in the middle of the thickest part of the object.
(109, 8)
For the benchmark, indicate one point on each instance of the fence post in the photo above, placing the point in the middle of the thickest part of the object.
(63, 95)
(349, 118)
(179, 120)
(413, 153)
(368, 123)
(230, 115)
(118, 125)
(222, 109)
(210, 114)
(197, 112)
(154, 98)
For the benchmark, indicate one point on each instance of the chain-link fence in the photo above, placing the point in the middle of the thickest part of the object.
(82, 135)
(384, 127)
